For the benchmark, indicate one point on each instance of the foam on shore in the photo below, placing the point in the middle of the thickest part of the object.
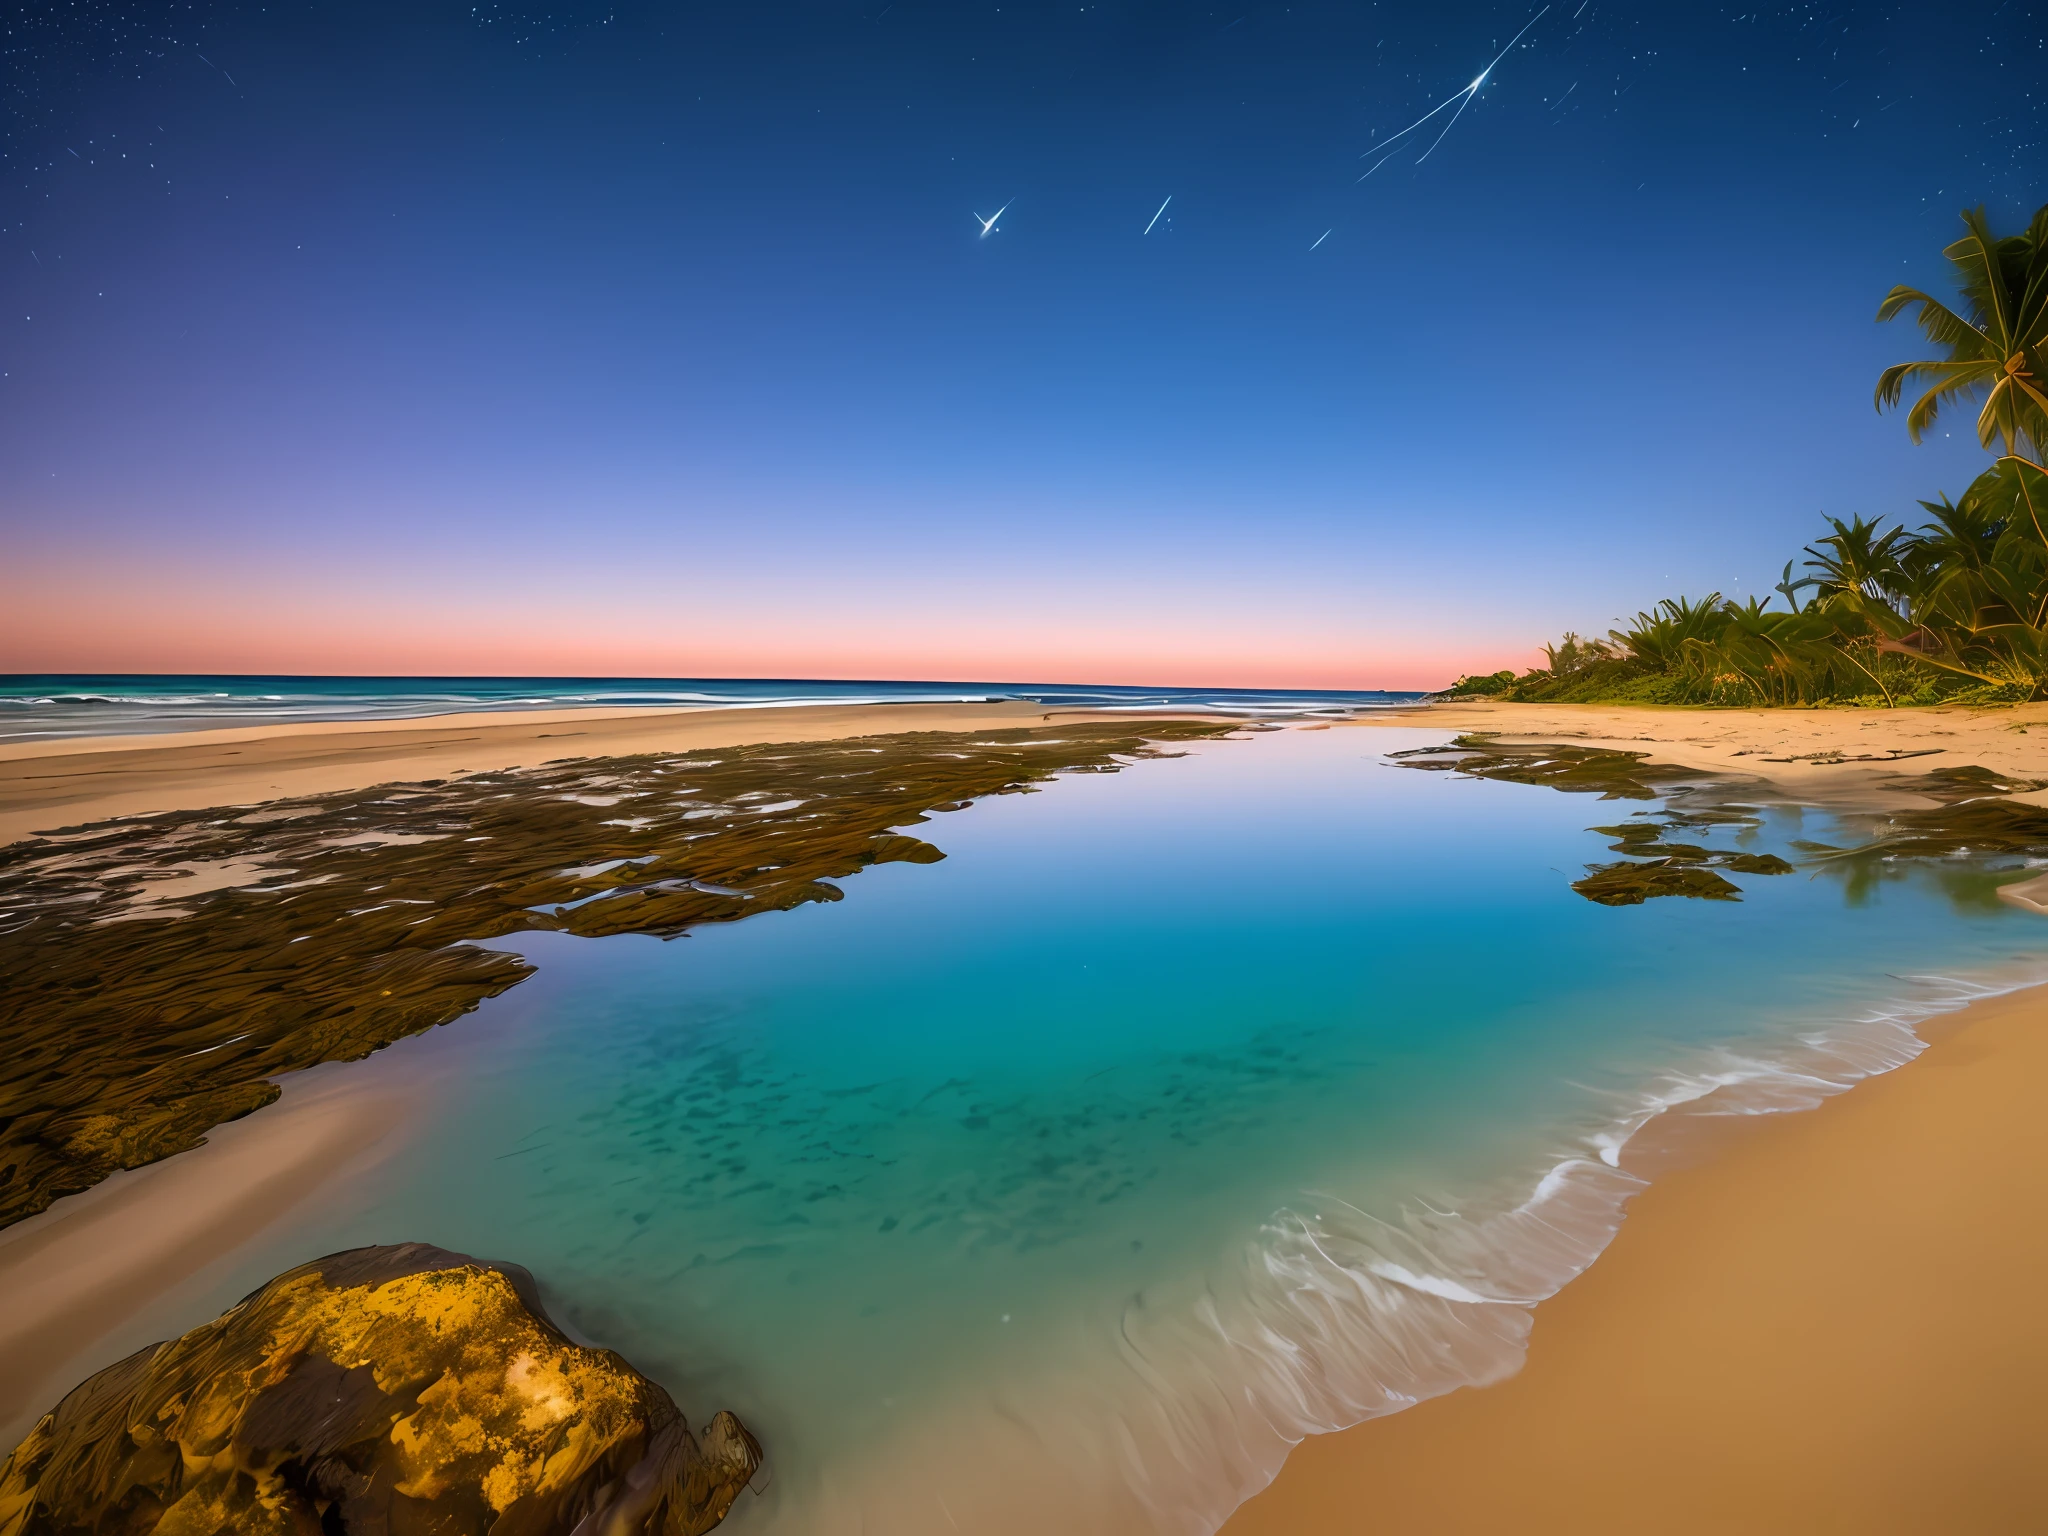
(1330, 1317)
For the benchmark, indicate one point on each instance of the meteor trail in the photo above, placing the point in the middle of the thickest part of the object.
(1463, 99)
(988, 225)
(1162, 206)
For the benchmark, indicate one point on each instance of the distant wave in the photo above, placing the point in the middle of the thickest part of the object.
(47, 706)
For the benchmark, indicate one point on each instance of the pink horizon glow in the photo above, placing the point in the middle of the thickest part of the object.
(307, 627)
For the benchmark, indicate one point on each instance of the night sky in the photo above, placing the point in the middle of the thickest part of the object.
(661, 338)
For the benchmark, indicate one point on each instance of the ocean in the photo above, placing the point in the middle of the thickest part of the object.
(49, 706)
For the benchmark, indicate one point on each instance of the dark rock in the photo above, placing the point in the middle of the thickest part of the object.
(1611, 774)
(397, 1391)
(1627, 884)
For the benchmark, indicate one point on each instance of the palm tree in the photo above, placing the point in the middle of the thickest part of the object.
(1997, 350)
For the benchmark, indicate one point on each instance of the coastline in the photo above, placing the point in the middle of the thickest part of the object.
(1817, 1321)
(1699, 1304)
(48, 784)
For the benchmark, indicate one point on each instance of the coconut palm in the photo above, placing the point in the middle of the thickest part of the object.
(1997, 349)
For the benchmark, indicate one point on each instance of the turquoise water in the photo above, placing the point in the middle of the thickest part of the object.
(1178, 1113)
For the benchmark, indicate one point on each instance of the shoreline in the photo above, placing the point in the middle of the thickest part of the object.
(1830, 757)
(93, 1266)
(1812, 1321)
(45, 785)
(1554, 1439)
(59, 782)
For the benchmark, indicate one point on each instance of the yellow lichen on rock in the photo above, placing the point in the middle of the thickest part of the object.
(379, 1389)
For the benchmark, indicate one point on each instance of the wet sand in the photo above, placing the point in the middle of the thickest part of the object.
(79, 1272)
(45, 785)
(1831, 1325)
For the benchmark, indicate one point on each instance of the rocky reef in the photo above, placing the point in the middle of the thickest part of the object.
(1977, 838)
(1602, 771)
(1654, 865)
(156, 972)
(393, 1391)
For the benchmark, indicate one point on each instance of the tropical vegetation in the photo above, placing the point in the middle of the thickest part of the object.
(1953, 609)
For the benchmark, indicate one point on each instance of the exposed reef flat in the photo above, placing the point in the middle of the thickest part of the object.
(1656, 865)
(157, 972)
(384, 1389)
(50, 783)
(1974, 817)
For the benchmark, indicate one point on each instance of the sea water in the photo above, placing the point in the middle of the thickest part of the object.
(1178, 1113)
(39, 706)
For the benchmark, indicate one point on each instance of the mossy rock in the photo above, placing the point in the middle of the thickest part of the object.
(1627, 884)
(1611, 774)
(384, 1390)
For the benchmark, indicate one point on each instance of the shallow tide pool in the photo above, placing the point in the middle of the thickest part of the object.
(1177, 1113)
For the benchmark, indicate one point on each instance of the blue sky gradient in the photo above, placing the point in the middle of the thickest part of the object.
(658, 338)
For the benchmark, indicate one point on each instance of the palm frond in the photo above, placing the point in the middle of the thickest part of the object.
(1962, 381)
(1940, 324)
(1981, 266)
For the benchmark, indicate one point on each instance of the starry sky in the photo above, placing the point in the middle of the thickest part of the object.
(661, 338)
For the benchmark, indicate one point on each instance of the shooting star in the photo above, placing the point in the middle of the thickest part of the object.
(1155, 217)
(211, 65)
(1321, 238)
(988, 225)
(1463, 100)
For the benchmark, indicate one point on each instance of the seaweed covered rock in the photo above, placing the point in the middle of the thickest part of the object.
(140, 1011)
(1628, 884)
(384, 1390)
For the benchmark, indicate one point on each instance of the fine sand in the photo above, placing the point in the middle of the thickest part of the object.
(48, 784)
(1832, 1325)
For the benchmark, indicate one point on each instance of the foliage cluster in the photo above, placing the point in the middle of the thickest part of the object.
(1955, 610)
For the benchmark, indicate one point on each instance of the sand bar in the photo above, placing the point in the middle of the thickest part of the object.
(1832, 1325)
(48, 784)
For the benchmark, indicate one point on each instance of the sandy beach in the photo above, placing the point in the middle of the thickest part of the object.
(1828, 1324)
(1831, 1324)
(78, 1272)
(1826, 756)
